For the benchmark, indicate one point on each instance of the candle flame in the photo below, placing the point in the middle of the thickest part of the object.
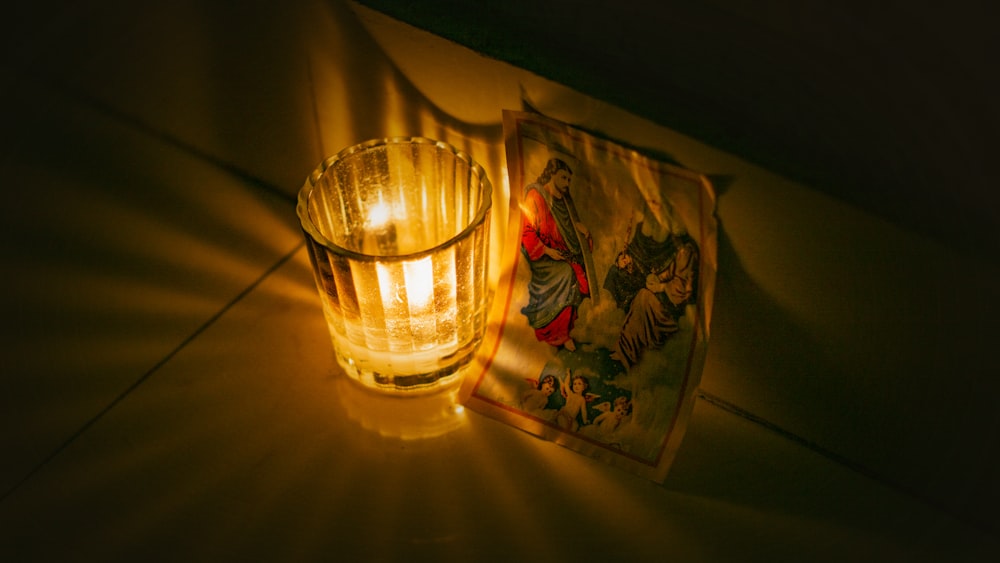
(379, 216)
(419, 282)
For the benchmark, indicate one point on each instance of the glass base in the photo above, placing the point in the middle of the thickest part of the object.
(409, 384)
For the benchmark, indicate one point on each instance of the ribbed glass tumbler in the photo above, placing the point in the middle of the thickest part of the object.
(398, 236)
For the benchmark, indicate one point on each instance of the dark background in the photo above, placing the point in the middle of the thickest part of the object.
(890, 106)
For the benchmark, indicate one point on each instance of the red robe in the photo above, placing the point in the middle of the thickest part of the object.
(557, 287)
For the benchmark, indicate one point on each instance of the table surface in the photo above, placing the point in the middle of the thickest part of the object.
(170, 391)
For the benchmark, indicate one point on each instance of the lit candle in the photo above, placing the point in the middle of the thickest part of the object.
(408, 298)
(380, 230)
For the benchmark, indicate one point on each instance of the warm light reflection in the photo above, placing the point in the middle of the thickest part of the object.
(175, 459)
(242, 439)
(419, 275)
(403, 417)
(379, 216)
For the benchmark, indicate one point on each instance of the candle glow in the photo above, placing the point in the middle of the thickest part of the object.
(407, 296)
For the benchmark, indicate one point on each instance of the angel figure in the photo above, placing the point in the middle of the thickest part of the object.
(611, 416)
(574, 389)
(536, 399)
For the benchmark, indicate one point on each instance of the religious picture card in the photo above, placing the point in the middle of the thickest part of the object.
(604, 299)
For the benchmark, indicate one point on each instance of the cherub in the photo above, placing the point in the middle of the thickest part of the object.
(536, 398)
(574, 388)
(612, 415)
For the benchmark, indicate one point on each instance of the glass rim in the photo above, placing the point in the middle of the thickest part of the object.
(310, 228)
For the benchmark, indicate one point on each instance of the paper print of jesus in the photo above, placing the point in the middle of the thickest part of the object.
(551, 243)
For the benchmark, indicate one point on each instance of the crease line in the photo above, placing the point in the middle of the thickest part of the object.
(149, 373)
